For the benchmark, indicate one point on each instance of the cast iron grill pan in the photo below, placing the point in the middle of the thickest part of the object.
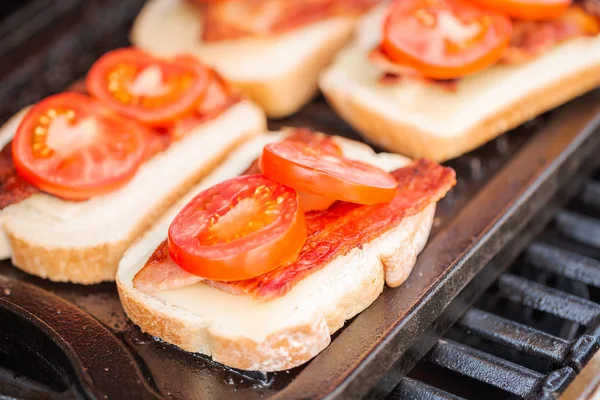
(68, 341)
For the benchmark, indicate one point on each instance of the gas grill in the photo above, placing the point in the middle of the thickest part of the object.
(504, 302)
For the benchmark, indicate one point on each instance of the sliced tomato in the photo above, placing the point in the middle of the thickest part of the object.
(444, 39)
(534, 10)
(238, 229)
(151, 90)
(311, 202)
(217, 98)
(307, 169)
(73, 147)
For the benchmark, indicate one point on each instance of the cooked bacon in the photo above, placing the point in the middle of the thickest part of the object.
(345, 226)
(533, 38)
(394, 73)
(13, 188)
(233, 19)
(161, 273)
(331, 233)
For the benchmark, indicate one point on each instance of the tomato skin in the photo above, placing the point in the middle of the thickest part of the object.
(312, 202)
(183, 81)
(266, 230)
(531, 10)
(426, 36)
(307, 169)
(98, 164)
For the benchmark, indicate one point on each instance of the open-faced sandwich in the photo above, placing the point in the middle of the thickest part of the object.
(272, 49)
(287, 239)
(83, 174)
(437, 78)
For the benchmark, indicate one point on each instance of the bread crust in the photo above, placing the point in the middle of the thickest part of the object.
(293, 345)
(95, 264)
(409, 140)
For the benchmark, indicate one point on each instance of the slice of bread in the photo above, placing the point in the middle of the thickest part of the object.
(6, 134)
(246, 333)
(279, 73)
(82, 242)
(423, 120)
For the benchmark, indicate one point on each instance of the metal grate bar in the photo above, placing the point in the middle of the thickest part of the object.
(514, 335)
(578, 227)
(485, 367)
(591, 194)
(552, 301)
(564, 262)
(412, 389)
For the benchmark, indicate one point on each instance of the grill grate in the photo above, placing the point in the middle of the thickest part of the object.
(534, 329)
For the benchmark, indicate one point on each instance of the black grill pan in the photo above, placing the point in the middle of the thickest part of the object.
(68, 341)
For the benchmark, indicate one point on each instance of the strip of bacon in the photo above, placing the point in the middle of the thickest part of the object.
(234, 19)
(13, 188)
(531, 39)
(331, 233)
(161, 273)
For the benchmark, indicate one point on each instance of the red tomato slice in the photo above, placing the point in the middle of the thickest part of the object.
(444, 39)
(527, 9)
(307, 169)
(238, 229)
(73, 147)
(151, 90)
(311, 202)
